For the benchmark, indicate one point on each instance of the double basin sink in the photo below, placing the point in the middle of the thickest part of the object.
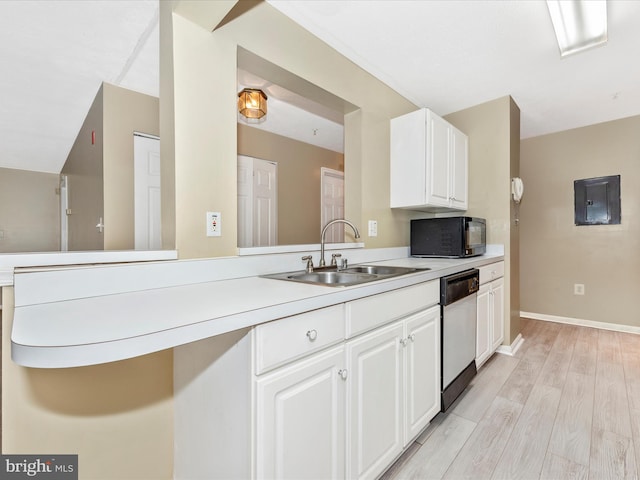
(355, 275)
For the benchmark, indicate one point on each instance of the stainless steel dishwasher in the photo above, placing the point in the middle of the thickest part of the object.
(458, 314)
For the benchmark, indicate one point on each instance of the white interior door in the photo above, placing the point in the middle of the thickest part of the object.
(257, 202)
(332, 203)
(265, 203)
(245, 201)
(147, 215)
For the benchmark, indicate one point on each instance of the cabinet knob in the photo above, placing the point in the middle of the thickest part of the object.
(343, 373)
(412, 337)
(403, 341)
(312, 335)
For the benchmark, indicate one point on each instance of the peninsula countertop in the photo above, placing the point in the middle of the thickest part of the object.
(115, 326)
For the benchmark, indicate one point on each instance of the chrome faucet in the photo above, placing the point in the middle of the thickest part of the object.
(324, 230)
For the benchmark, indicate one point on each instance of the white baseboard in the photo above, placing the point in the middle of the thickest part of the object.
(513, 348)
(616, 327)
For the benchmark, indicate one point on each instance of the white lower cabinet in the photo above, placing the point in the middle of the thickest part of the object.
(497, 313)
(483, 330)
(308, 396)
(375, 433)
(490, 324)
(393, 390)
(422, 386)
(300, 419)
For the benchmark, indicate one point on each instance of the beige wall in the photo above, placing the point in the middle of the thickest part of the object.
(84, 170)
(29, 211)
(117, 417)
(124, 112)
(494, 132)
(299, 167)
(205, 117)
(101, 174)
(556, 253)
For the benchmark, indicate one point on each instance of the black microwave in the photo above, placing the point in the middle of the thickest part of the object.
(451, 237)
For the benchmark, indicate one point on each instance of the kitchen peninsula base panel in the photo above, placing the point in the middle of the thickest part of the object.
(212, 408)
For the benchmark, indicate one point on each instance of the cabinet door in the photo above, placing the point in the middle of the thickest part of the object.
(422, 371)
(408, 159)
(300, 419)
(497, 311)
(438, 174)
(375, 405)
(483, 329)
(459, 169)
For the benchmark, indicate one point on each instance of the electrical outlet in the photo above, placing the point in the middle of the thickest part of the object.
(373, 228)
(214, 224)
(578, 289)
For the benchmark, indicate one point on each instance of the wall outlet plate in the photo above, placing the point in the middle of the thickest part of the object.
(373, 228)
(214, 224)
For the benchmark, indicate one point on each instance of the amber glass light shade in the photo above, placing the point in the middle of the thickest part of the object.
(252, 103)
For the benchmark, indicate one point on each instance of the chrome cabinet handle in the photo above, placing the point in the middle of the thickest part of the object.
(312, 335)
(343, 374)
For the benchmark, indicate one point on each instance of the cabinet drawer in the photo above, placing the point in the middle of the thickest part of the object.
(370, 312)
(293, 337)
(491, 272)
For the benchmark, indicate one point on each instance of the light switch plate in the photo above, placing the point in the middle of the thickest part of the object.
(214, 224)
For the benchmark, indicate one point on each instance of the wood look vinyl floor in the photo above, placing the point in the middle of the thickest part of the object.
(565, 406)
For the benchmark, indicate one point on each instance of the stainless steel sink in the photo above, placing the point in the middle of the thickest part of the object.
(355, 275)
(382, 269)
(333, 278)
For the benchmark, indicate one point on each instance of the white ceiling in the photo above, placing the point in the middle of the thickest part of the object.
(450, 55)
(54, 55)
(446, 55)
(294, 116)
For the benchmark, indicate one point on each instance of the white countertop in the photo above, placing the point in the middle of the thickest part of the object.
(110, 327)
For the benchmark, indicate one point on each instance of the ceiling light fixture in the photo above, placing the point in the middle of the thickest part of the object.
(252, 103)
(579, 24)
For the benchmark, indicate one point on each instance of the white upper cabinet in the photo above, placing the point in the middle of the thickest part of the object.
(429, 163)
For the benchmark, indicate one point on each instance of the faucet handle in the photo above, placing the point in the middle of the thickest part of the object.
(334, 256)
(309, 260)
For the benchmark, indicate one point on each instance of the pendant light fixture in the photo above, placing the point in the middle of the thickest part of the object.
(252, 103)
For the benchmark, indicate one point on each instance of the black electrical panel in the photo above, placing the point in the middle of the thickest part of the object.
(597, 200)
